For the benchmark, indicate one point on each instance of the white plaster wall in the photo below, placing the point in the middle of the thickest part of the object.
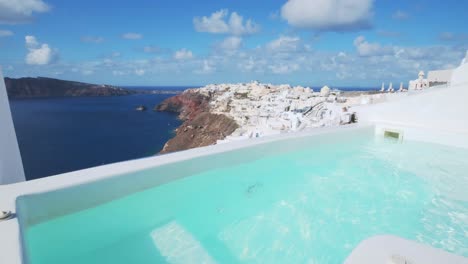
(460, 75)
(440, 76)
(442, 111)
(11, 165)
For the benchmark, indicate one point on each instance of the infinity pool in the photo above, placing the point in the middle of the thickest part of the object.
(304, 200)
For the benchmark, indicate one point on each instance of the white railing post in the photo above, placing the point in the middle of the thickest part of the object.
(11, 165)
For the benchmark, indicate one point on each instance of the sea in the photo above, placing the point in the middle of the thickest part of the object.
(59, 135)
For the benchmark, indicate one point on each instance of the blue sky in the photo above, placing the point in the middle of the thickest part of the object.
(308, 42)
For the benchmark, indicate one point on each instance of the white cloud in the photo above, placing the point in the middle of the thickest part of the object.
(183, 54)
(328, 15)
(151, 49)
(284, 59)
(212, 24)
(31, 41)
(38, 54)
(118, 73)
(237, 26)
(139, 72)
(230, 43)
(253, 64)
(400, 15)
(247, 65)
(20, 11)
(207, 68)
(366, 49)
(132, 35)
(285, 44)
(218, 23)
(451, 36)
(5, 33)
(87, 72)
(447, 36)
(92, 39)
(284, 68)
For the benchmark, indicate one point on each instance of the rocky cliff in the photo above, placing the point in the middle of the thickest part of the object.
(188, 104)
(200, 127)
(48, 87)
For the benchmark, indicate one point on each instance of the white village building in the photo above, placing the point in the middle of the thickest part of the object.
(419, 83)
(439, 77)
(434, 78)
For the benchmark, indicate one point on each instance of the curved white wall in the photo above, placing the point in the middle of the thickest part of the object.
(460, 75)
(11, 165)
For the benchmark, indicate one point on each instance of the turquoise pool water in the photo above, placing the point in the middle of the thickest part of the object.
(309, 200)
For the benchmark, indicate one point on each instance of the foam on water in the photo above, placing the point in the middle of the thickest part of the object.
(307, 204)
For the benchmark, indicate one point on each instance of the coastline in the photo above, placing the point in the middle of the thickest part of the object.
(200, 127)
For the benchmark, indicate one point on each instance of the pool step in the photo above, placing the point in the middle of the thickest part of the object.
(178, 246)
(395, 250)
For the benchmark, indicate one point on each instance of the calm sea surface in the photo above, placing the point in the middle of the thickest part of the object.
(58, 135)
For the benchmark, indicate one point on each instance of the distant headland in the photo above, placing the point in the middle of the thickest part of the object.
(40, 87)
(49, 87)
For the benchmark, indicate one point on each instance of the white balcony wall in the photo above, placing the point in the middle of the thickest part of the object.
(11, 165)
